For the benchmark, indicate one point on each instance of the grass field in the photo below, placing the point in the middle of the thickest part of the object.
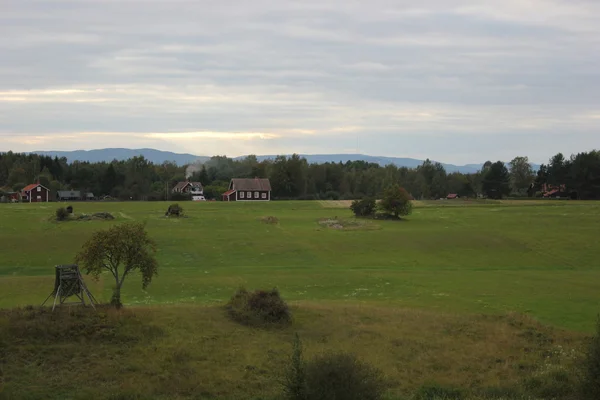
(535, 258)
(451, 295)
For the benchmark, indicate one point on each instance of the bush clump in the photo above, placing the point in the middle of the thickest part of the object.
(260, 307)
(61, 214)
(364, 207)
(343, 376)
(174, 210)
(331, 376)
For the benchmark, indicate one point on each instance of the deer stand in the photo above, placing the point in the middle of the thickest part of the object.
(68, 282)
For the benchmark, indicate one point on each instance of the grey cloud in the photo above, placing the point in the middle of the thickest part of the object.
(498, 69)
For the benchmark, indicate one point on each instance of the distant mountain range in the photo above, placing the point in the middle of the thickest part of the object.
(158, 156)
(107, 155)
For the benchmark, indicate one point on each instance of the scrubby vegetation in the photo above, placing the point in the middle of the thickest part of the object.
(174, 210)
(62, 214)
(258, 308)
(363, 208)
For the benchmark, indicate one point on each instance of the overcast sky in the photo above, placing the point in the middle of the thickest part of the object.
(453, 80)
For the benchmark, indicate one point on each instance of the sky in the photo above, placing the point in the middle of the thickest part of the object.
(452, 80)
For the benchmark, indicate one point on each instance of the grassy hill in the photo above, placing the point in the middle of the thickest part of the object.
(196, 352)
(452, 295)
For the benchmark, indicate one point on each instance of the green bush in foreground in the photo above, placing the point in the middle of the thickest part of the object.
(343, 376)
(259, 307)
(331, 376)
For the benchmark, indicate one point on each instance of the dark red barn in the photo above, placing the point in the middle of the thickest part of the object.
(35, 193)
(256, 189)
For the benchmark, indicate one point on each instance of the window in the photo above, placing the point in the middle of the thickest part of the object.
(39, 188)
(249, 195)
(242, 195)
(264, 195)
(256, 195)
(39, 197)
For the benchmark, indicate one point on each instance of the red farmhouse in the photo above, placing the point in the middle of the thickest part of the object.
(35, 193)
(248, 190)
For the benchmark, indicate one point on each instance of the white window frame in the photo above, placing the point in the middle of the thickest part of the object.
(248, 195)
(256, 195)
(242, 194)
(264, 196)
(39, 188)
(39, 197)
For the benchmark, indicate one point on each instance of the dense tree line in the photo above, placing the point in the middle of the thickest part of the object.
(294, 178)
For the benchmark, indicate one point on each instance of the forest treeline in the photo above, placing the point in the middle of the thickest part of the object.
(294, 178)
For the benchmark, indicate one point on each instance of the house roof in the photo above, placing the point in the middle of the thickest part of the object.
(181, 185)
(227, 193)
(29, 188)
(452, 196)
(251, 184)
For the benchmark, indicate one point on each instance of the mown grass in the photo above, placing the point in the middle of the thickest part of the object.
(198, 352)
(538, 258)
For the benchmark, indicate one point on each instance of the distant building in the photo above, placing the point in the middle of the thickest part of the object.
(35, 193)
(73, 195)
(194, 189)
(256, 189)
(452, 196)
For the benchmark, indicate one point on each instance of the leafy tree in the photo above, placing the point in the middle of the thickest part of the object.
(496, 181)
(521, 174)
(396, 201)
(120, 250)
(363, 207)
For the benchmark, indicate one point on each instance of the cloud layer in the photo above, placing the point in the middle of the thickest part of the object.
(454, 80)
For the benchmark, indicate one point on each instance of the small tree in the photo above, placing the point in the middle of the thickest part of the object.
(396, 201)
(363, 207)
(120, 250)
(294, 383)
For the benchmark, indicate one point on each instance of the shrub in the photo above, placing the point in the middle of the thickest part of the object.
(591, 367)
(61, 214)
(364, 207)
(258, 308)
(174, 210)
(343, 376)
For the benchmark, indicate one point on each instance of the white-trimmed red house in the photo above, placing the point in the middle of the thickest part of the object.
(35, 193)
(256, 189)
(194, 189)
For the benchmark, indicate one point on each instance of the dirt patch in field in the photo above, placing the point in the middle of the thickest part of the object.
(348, 224)
(270, 220)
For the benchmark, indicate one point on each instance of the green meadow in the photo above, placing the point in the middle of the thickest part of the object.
(490, 300)
(539, 258)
